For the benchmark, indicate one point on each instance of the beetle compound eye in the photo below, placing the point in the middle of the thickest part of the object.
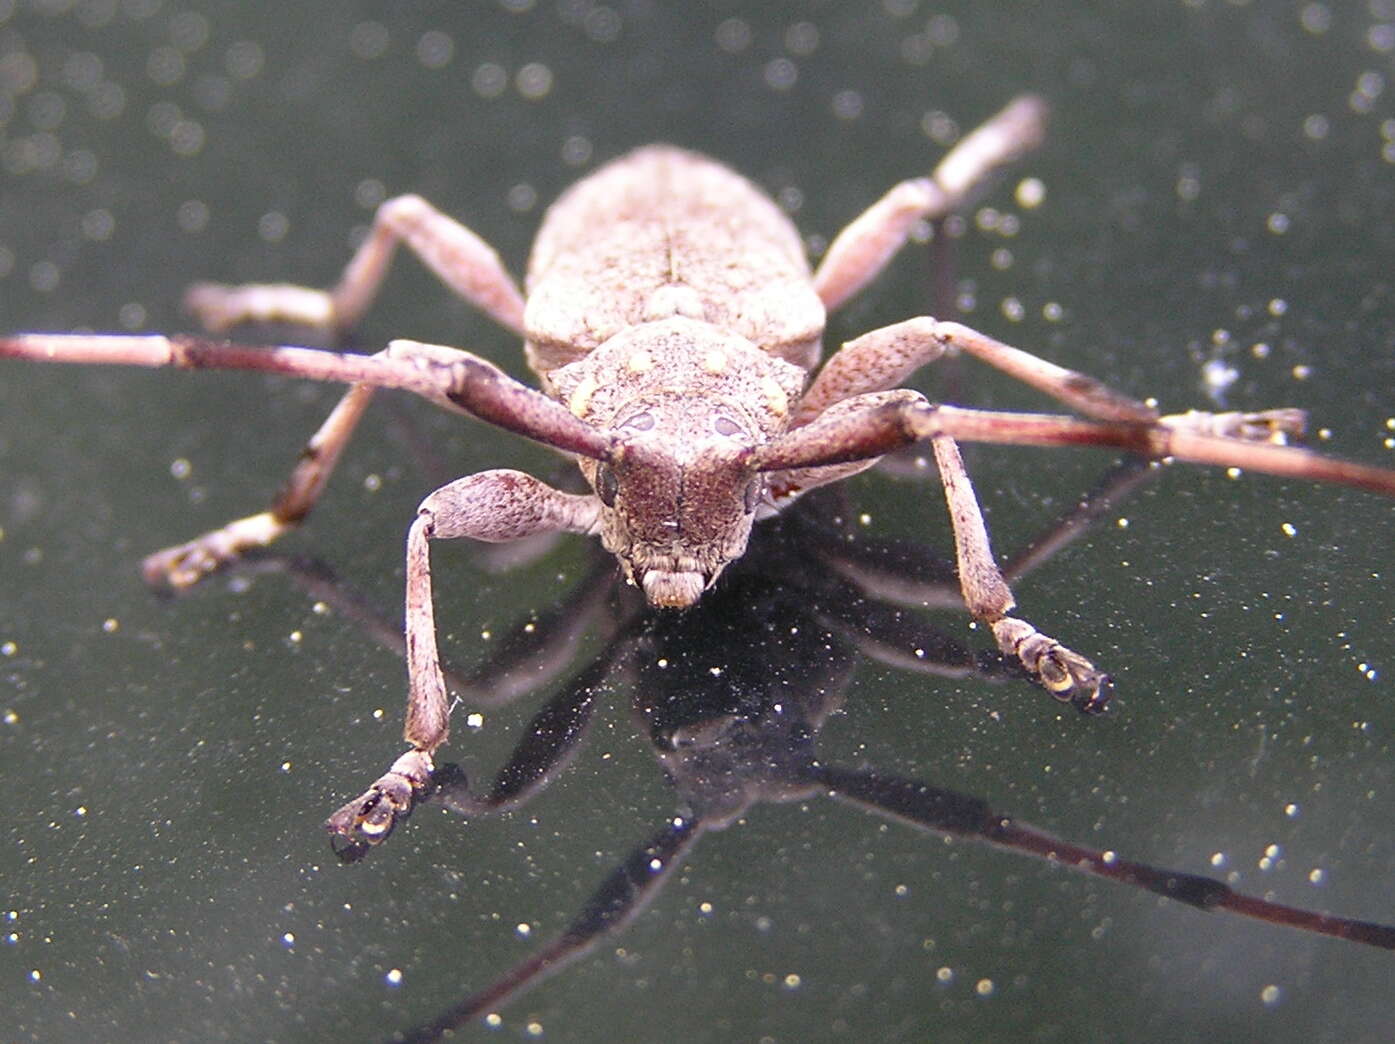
(726, 426)
(752, 496)
(606, 485)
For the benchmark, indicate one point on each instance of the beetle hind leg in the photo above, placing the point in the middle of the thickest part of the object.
(458, 257)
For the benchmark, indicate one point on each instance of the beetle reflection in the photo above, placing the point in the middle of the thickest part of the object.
(732, 696)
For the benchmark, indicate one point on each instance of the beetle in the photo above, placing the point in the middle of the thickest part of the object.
(675, 326)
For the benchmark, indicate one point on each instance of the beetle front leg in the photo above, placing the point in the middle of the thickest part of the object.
(850, 435)
(369, 818)
(460, 259)
(1065, 674)
(494, 506)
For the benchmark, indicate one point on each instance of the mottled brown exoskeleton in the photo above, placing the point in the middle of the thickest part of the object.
(675, 328)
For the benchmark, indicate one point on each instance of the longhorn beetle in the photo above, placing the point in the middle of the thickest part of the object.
(674, 325)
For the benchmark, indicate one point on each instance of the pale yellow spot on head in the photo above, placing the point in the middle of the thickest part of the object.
(640, 361)
(715, 361)
(580, 400)
(775, 396)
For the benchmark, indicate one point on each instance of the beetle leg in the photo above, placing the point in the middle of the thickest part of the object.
(851, 434)
(460, 259)
(1065, 674)
(185, 564)
(503, 504)
(451, 378)
(882, 359)
(855, 431)
(493, 506)
(860, 252)
(911, 574)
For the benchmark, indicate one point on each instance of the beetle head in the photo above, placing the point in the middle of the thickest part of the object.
(678, 496)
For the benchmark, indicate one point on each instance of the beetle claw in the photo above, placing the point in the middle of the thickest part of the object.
(1064, 673)
(366, 821)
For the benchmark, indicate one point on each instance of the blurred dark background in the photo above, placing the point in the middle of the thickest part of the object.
(1215, 227)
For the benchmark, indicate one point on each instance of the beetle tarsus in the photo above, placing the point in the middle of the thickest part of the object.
(366, 821)
(180, 567)
(1064, 673)
(1279, 427)
(184, 565)
(219, 308)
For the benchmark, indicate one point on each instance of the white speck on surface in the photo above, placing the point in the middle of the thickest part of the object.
(1217, 376)
(1031, 193)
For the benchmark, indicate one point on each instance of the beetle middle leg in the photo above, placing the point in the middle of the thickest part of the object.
(453, 379)
(460, 258)
(185, 564)
(882, 359)
(863, 421)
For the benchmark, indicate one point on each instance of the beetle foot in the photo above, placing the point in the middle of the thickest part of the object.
(219, 307)
(184, 565)
(1064, 673)
(366, 821)
(180, 567)
(1279, 427)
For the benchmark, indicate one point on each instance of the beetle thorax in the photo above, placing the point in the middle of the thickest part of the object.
(687, 404)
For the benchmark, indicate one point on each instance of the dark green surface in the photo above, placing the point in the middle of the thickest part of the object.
(162, 911)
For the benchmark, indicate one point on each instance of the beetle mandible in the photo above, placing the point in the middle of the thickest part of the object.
(674, 323)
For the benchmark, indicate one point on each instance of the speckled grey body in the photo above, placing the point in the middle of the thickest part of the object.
(661, 232)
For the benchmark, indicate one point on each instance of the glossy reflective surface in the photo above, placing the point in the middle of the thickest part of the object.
(1217, 180)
